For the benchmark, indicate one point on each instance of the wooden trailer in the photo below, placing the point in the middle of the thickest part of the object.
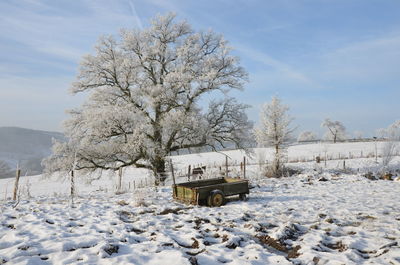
(211, 192)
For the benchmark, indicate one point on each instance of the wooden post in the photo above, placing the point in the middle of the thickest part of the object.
(173, 176)
(72, 187)
(189, 171)
(344, 164)
(120, 179)
(17, 175)
(73, 180)
(226, 166)
(244, 167)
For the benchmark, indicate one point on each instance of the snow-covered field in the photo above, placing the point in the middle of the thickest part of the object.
(346, 219)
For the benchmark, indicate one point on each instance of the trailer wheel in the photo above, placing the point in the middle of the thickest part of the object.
(243, 197)
(216, 198)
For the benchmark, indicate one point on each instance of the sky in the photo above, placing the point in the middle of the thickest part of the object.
(337, 59)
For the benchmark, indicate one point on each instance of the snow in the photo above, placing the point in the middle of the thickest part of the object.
(347, 219)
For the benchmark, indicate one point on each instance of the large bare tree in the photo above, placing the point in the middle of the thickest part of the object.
(145, 89)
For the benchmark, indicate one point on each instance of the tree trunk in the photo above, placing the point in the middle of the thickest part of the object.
(277, 159)
(158, 163)
(159, 169)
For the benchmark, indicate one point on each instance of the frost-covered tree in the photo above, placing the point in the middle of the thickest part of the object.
(144, 91)
(389, 148)
(274, 130)
(306, 136)
(388, 151)
(382, 133)
(393, 131)
(336, 130)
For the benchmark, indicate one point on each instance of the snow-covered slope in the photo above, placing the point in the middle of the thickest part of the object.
(324, 215)
(300, 220)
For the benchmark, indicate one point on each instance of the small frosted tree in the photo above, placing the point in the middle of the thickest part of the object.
(390, 147)
(306, 136)
(393, 131)
(381, 133)
(145, 88)
(336, 130)
(275, 131)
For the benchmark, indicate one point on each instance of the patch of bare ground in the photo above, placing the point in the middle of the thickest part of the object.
(111, 249)
(273, 243)
(198, 221)
(290, 234)
(195, 243)
(125, 216)
(122, 203)
(177, 210)
(339, 246)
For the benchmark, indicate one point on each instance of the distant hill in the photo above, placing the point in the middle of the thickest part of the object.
(25, 147)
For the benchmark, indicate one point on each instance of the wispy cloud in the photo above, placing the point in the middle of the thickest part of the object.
(60, 33)
(280, 68)
(134, 14)
(373, 60)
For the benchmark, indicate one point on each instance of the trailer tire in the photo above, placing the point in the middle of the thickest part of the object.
(216, 198)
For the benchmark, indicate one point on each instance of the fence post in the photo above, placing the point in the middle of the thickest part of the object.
(226, 166)
(244, 167)
(119, 179)
(173, 177)
(188, 174)
(344, 164)
(17, 175)
(72, 187)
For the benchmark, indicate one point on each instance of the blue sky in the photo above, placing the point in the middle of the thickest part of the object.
(325, 58)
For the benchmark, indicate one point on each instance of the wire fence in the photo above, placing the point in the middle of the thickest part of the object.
(248, 167)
